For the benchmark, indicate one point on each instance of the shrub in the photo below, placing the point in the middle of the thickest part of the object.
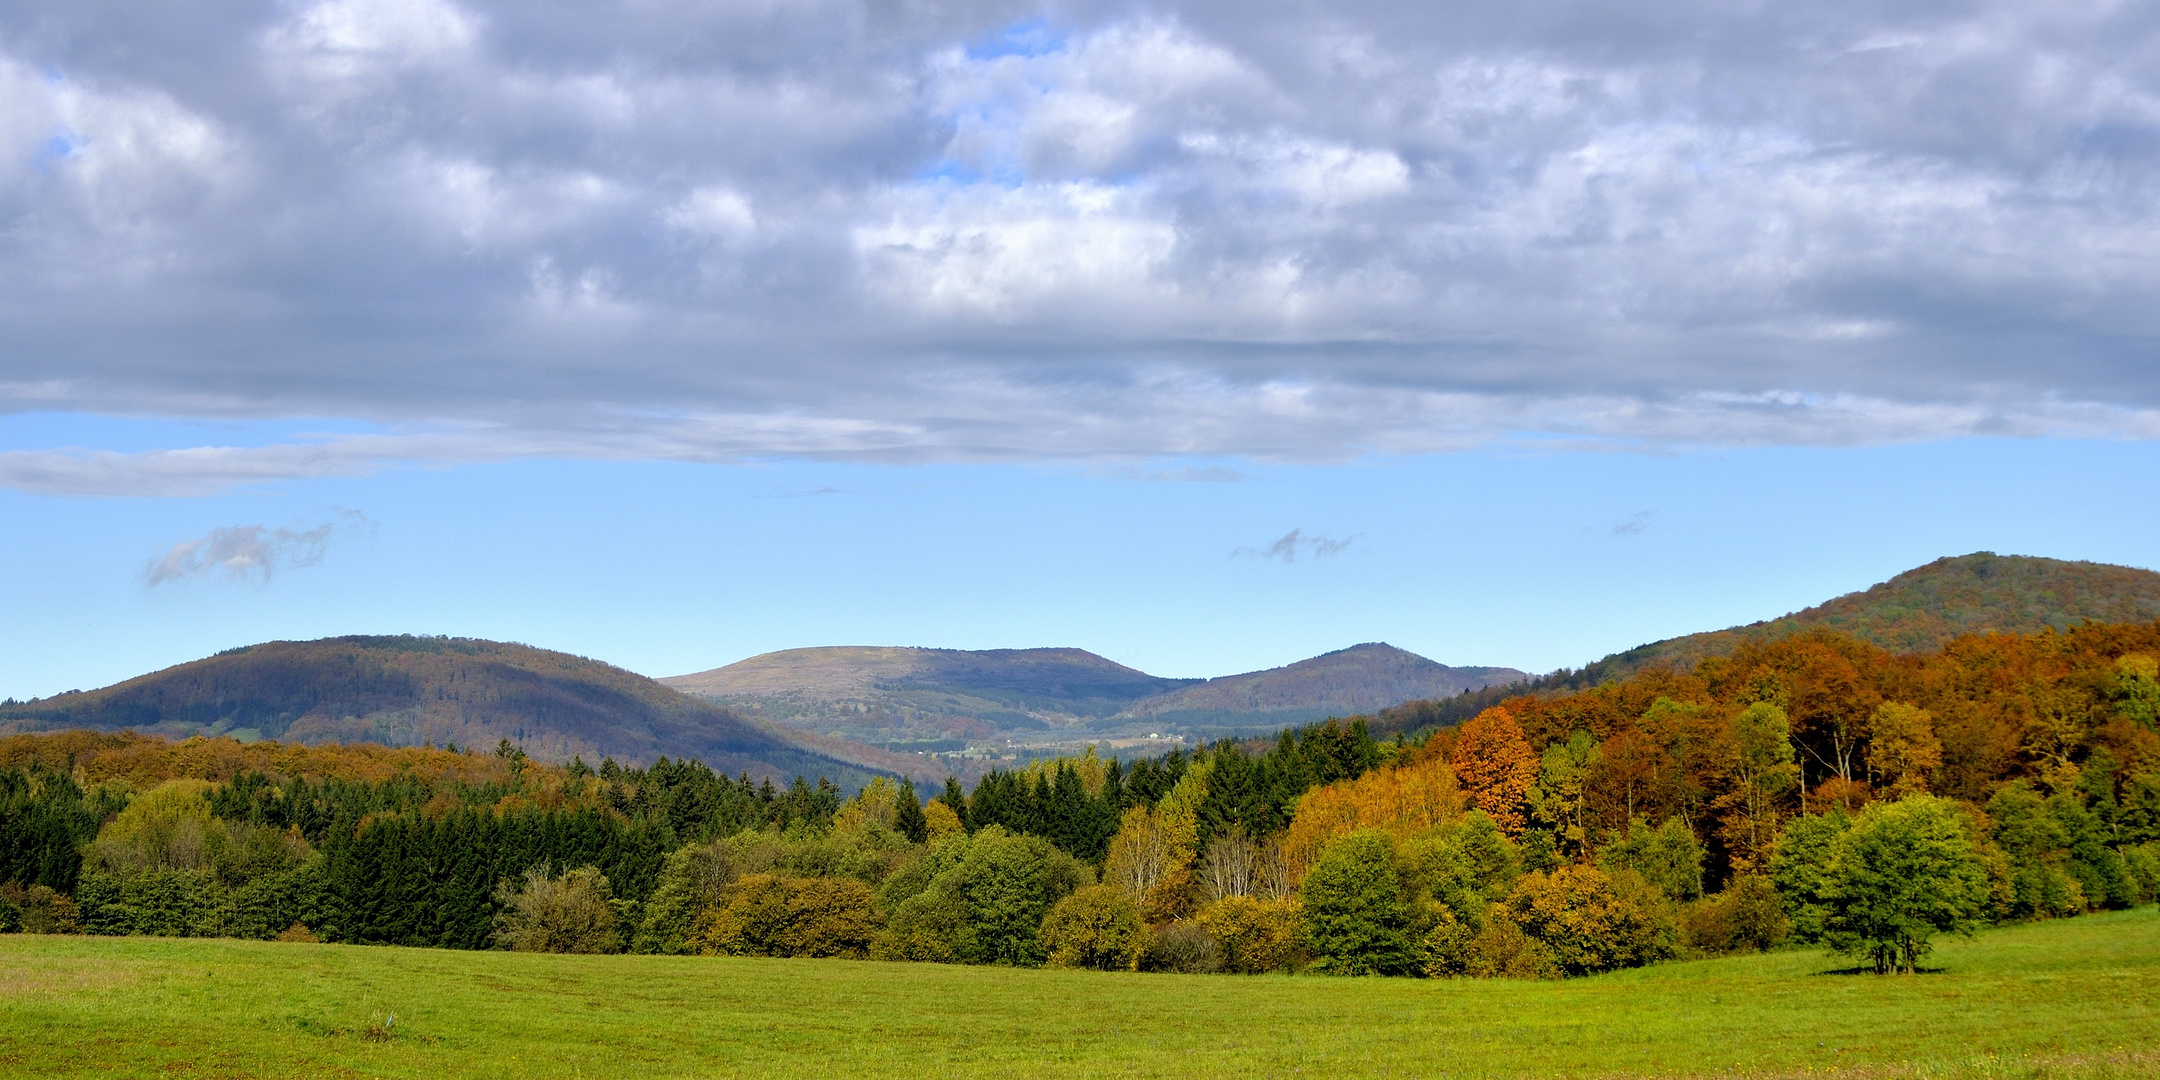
(1255, 936)
(982, 899)
(1097, 927)
(1182, 947)
(1746, 917)
(771, 915)
(1594, 921)
(1355, 919)
(572, 913)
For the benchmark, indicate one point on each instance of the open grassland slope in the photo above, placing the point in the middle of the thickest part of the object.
(2062, 999)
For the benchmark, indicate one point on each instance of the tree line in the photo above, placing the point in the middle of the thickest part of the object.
(1810, 789)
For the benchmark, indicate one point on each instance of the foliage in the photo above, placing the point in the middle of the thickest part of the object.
(1356, 920)
(1902, 873)
(1254, 935)
(1668, 857)
(1096, 927)
(775, 915)
(1182, 948)
(1593, 921)
(568, 913)
(1496, 766)
(1402, 801)
(983, 900)
(1746, 917)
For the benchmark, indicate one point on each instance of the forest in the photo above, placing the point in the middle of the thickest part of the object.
(1813, 790)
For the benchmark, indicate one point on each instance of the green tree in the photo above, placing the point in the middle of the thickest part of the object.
(1668, 857)
(1356, 920)
(1904, 872)
(908, 816)
(1800, 870)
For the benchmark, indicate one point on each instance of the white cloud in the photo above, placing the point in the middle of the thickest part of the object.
(248, 553)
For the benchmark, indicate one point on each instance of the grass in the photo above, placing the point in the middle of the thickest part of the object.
(2074, 998)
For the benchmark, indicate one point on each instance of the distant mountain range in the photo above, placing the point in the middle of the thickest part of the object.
(942, 700)
(405, 691)
(1916, 611)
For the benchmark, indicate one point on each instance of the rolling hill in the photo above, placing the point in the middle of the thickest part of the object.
(1920, 609)
(1916, 611)
(945, 699)
(404, 691)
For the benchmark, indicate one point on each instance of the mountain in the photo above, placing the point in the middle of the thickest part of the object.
(927, 698)
(943, 700)
(1916, 611)
(1358, 679)
(403, 691)
(1920, 609)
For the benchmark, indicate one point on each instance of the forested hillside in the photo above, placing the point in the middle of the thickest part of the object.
(1917, 611)
(411, 691)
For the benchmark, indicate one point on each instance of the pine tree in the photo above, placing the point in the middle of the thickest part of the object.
(908, 817)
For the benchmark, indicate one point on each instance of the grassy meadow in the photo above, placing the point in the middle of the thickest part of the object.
(2070, 998)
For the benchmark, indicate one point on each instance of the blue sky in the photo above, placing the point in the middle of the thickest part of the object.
(1525, 559)
(1547, 328)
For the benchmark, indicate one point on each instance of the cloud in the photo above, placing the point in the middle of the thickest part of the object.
(1291, 543)
(1633, 524)
(1110, 233)
(249, 553)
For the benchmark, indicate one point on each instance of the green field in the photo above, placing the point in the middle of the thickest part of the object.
(2069, 998)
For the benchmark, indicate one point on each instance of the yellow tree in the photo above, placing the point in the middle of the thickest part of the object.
(1904, 750)
(1496, 767)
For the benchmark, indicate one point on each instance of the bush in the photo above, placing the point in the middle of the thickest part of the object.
(1182, 947)
(771, 915)
(1594, 921)
(1255, 936)
(982, 899)
(573, 913)
(1746, 917)
(40, 910)
(1355, 919)
(1097, 927)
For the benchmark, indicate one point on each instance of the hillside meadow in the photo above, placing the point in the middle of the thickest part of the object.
(2069, 998)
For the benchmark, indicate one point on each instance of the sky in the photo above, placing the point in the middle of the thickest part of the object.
(1206, 336)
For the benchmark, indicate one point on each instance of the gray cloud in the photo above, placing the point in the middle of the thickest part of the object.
(1287, 547)
(1633, 524)
(1112, 232)
(249, 553)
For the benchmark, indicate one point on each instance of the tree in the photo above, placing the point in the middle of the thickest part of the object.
(1097, 927)
(1495, 765)
(908, 816)
(1668, 857)
(1593, 921)
(1557, 801)
(1903, 749)
(1763, 773)
(1904, 872)
(776, 915)
(572, 913)
(1255, 936)
(1356, 920)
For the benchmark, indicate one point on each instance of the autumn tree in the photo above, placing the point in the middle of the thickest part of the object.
(1096, 927)
(1764, 775)
(1903, 751)
(1495, 765)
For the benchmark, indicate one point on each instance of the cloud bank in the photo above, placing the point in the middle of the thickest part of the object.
(989, 231)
